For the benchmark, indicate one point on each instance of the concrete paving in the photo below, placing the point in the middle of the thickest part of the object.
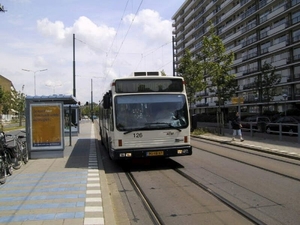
(57, 190)
(74, 189)
(258, 142)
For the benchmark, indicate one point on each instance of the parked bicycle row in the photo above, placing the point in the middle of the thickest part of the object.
(13, 153)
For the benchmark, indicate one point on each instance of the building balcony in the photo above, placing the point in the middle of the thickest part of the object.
(238, 60)
(212, 104)
(233, 36)
(279, 63)
(249, 86)
(234, 48)
(277, 46)
(209, 5)
(228, 26)
(189, 33)
(276, 12)
(277, 29)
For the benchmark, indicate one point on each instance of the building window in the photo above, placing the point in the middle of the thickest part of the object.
(296, 35)
(295, 2)
(281, 56)
(278, 4)
(264, 32)
(295, 17)
(297, 89)
(280, 39)
(266, 60)
(296, 53)
(297, 72)
(264, 48)
(279, 22)
(241, 69)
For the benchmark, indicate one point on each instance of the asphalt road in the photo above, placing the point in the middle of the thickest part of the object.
(265, 186)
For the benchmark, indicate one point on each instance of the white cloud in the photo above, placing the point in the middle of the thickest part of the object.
(152, 25)
(48, 28)
(86, 31)
(40, 62)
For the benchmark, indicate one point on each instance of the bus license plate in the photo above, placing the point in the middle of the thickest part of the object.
(156, 153)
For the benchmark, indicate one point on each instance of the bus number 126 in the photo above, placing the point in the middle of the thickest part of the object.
(138, 135)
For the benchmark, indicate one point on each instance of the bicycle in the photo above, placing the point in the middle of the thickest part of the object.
(16, 150)
(5, 160)
(21, 139)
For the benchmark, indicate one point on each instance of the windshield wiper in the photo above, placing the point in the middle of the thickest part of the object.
(169, 125)
(135, 129)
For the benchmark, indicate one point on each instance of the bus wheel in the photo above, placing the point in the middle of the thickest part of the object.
(109, 151)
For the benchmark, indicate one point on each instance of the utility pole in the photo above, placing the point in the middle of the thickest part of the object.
(173, 49)
(92, 108)
(74, 80)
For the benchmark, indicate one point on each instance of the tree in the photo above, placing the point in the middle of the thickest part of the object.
(266, 82)
(163, 73)
(192, 72)
(1, 102)
(6, 102)
(217, 65)
(19, 105)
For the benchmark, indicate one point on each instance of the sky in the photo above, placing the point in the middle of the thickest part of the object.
(113, 38)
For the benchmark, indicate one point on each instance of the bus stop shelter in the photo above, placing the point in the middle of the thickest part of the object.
(47, 118)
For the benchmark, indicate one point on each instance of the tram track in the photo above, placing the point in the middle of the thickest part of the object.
(213, 191)
(278, 158)
(233, 206)
(154, 213)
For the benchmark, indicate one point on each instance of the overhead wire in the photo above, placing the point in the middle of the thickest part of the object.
(117, 53)
(118, 27)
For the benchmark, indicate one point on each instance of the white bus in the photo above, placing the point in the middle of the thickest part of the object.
(145, 115)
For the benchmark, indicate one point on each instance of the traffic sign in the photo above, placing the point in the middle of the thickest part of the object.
(237, 100)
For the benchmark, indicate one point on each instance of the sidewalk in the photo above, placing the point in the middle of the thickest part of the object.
(57, 191)
(290, 149)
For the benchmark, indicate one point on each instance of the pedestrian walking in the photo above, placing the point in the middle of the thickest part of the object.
(236, 126)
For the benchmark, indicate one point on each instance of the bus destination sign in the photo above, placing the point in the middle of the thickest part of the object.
(151, 85)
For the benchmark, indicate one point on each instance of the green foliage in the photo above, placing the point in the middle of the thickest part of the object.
(200, 131)
(192, 72)
(1, 95)
(217, 64)
(266, 81)
(6, 102)
(163, 73)
(12, 100)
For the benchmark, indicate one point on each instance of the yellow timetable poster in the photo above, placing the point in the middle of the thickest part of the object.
(46, 125)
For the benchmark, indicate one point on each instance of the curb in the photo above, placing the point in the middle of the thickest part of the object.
(278, 152)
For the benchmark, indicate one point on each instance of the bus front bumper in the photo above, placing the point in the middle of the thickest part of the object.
(119, 154)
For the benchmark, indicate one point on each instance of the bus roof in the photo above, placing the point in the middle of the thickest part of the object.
(148, 84)
(147, 78)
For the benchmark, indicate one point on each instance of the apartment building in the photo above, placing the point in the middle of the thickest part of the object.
(7, 86)
(257, 31)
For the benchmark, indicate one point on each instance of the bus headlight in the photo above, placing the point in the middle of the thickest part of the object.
(128, 154)
(182, 151)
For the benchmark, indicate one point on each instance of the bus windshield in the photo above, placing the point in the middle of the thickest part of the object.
(151, 111)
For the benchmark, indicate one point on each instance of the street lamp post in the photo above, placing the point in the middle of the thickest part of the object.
(92, 107)
(34, 72)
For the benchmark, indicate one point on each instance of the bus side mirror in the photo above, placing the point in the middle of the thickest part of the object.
(106, 101)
